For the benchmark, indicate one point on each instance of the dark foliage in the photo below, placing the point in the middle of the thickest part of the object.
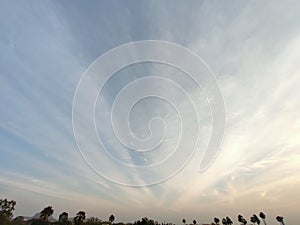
(279, 219)
(111, 218)
(216, 220)
(262, 215)
(46, 212)
(145, 221)
(78, 219)
(6, 211)
(224, 221)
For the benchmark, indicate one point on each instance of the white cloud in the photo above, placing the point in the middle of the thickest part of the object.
(255, 56)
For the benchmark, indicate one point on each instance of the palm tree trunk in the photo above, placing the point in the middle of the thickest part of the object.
(264, 222)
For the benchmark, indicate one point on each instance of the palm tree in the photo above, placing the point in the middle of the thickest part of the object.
(78, 219)
(263, 217)
(216, 220)
(111, 218)
(183, 221)
(257, 219)
(242, 220)
(194, 222)
(45, 213)
(224, 221)
(63, 219)
(280, 220)
(254, 219)
(228, 221)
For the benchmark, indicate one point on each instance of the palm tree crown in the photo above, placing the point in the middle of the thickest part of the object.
(216, 220)
(111, 218)
(46, 212)
(78, 219)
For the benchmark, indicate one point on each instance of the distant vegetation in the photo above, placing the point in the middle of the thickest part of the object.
(44, 217)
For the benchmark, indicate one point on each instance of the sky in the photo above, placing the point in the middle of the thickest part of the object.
(251, 49)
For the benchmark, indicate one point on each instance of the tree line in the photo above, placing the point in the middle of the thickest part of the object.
(254, 219)
(7, 207)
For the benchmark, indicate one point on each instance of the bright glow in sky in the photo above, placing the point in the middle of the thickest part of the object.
(253, 49)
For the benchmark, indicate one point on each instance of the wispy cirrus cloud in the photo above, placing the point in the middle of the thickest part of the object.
(45, 48)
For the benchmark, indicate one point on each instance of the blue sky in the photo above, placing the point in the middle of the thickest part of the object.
(252, 48)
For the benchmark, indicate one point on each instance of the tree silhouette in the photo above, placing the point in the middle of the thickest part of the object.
(254, 219)
(263, 217)
(242, 220)
(228, 221)
(183, 221)
(6, 210)
(63, 219)
(194, 222)
(111, 218)
(280, 219)
(93, 221)
(45, 213)
(78, 219)
(216, 220)
(7, 207)
(145, 221)
(224, 221)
